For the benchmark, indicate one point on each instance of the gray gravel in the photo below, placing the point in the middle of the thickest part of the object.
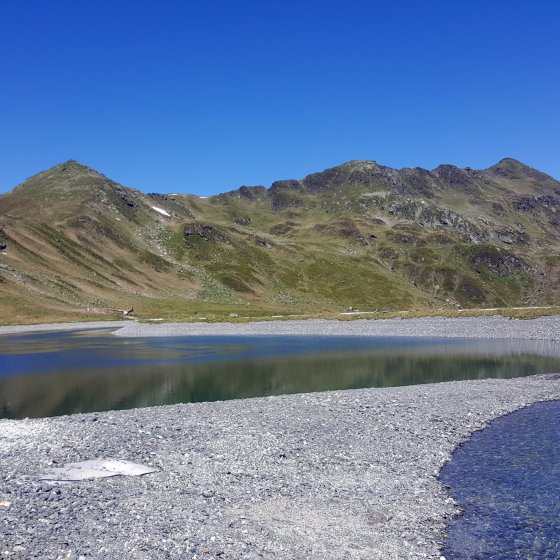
(349, 474)
(543, 328)
(346, 474)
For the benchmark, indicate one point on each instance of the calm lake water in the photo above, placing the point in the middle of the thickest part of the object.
(47, 374)
(507, 480)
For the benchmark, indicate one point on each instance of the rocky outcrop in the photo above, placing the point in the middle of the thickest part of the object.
(286, 194)
(251, 193)
(3, 240)
(501, 264)
(206, 232)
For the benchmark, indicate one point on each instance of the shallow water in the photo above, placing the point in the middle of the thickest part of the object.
(507, 480)
(46, 374)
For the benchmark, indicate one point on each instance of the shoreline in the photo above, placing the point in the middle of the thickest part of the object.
(56, 327)
(319, 475)
(542, 328)
(495, 326)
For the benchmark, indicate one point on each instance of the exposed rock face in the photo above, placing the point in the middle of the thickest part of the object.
(512, 236)
(354, 173)
(127, 199)
(251, 193)
(416, 182)
(466, 180)
(500, 264)
(285, 194)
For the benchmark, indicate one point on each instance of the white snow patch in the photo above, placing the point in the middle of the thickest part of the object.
(161, 211)
(202, 196)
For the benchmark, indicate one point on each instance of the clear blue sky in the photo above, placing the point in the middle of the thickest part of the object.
(203, 96)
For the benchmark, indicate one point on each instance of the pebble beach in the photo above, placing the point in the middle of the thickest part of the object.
(343, 474)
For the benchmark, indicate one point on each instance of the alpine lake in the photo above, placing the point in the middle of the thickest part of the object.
(56, 373)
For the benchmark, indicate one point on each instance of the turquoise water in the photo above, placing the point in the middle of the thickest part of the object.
(46, 374)
(507, 480)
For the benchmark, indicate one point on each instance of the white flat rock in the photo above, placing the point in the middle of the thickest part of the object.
(95, 468)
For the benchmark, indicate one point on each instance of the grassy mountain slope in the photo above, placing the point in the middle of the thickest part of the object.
(359, 235)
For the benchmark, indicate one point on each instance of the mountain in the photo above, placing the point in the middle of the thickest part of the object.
(77, 244)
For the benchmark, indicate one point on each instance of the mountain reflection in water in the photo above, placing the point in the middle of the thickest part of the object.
(50, 374)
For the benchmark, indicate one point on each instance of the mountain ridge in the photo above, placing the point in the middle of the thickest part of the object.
(506, 163)
(359, 234)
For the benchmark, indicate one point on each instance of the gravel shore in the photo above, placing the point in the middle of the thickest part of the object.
(349, 474)
(344, 474)
(543, 328)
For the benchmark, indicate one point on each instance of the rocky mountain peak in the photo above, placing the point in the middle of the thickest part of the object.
(508, 166)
